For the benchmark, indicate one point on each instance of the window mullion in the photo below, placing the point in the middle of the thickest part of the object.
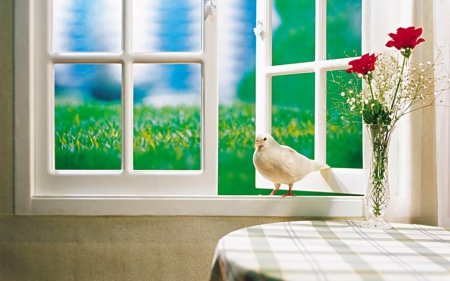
(263, 63)
(127, 88)
(320, 82)
(320, 144)
(44, 106)
(209, 105)
(263, 99)
(321, 30)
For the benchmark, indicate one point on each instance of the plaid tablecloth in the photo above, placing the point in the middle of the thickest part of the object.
(332, 250)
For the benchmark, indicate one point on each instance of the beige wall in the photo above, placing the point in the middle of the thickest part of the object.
(94, 248)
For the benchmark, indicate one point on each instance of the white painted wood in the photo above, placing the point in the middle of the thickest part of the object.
(23, 107)
(127, 88)
(263, 103)
(41, 190)
(320, 83)
(337, 180)
(307, 67)
(35, 173)
(311, 206)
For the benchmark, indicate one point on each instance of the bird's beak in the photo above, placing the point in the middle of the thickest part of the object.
(257, 144)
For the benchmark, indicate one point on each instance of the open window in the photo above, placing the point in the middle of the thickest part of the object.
(62, 112)
(304, 70)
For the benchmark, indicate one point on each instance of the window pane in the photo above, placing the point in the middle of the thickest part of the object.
(88, 116)
(344, 140)
(167, 26)
(87, 25)
(293, 112)
(237, 97)
(167, 125)
(343, 28)
(293, 31)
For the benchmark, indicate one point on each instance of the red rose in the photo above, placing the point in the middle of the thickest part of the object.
(363, 65)
(405, 38)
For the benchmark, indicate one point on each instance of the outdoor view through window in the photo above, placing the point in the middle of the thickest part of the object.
(167, 97)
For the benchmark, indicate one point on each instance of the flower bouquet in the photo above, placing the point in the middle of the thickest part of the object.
(393, 87)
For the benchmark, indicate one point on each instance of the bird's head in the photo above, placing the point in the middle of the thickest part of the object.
(264, 141)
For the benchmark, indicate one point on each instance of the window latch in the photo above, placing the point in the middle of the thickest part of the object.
(210, 8)
(258, 30)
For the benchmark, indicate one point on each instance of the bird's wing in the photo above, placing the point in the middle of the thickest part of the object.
(292, 162)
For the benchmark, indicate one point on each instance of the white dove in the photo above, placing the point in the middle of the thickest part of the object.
(281, 164)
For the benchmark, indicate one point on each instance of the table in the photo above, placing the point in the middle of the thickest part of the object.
(332, 250)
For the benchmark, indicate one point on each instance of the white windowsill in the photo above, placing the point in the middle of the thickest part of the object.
(310, 206)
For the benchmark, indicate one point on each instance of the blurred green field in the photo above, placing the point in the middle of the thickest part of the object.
(88, 137)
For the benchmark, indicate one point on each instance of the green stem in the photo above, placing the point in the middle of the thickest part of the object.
(379, 192)
(369, 81)
(398, 83)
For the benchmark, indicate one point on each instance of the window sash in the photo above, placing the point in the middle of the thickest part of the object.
(126, 181)
(341, 180)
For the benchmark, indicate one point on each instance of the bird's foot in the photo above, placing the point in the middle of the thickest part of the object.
(288, 194)
(273, 193)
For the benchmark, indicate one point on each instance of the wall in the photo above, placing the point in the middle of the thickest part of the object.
(109, 248)
(94, 248)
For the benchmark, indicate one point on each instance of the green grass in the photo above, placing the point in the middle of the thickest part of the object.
(88, 137)
(167, 138)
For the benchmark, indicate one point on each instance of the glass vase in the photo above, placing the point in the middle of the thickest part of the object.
(377, 194)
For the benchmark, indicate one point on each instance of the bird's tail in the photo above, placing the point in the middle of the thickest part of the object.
(319, 166)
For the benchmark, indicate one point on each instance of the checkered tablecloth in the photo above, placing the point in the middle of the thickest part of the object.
(332, 250)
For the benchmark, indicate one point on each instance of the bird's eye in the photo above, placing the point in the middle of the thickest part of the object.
(265, 139)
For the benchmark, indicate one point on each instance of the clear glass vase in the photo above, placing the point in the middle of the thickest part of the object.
(377, 193)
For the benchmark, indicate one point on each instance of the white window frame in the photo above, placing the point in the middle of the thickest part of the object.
(341, 180)
(39, 189)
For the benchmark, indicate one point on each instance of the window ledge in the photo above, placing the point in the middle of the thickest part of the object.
(310, 206)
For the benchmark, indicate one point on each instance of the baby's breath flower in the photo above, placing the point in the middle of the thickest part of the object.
(393, 86)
